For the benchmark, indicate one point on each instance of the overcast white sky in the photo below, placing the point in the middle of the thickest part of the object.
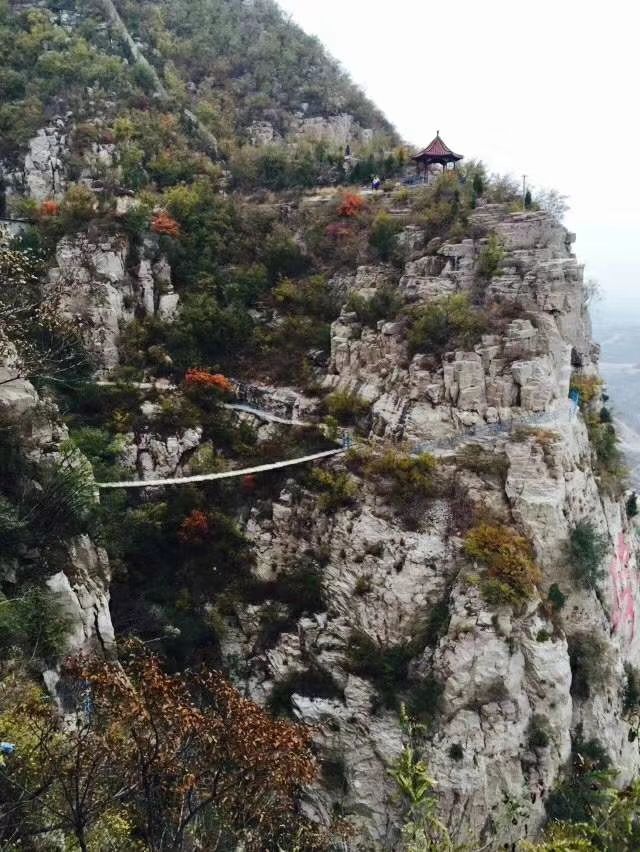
(547, 88)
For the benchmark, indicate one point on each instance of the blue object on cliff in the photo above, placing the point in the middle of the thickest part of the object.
(7, 748)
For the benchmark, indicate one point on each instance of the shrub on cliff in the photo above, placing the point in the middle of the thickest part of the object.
(165, 225)
(102, 449)
(63, 505)
(382, 236)
(589, 387)
(508, 556)
(48, 345)
(631, 701)
(609, 462)
(337, 489)
(483, 462)
(311, 297)
(351, 205)
(78, 207)
(447, 323)
(586, 791)
(33, 624)
(346, 407)
(490, 258)
(385, 304)
(408, 475)
(203, 380)
(590, 664)
(538, 735)
(586, 551)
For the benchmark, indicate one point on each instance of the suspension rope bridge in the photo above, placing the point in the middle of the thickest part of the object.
(227, 474)
(556, 418)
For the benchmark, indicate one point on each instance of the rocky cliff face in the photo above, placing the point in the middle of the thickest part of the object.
(98, 286)
(390, 568)
(81, 586)
(499, 669)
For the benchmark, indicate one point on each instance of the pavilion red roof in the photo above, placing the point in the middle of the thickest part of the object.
(437, 148)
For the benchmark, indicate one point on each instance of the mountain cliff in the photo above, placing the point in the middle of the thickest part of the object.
(194, 284)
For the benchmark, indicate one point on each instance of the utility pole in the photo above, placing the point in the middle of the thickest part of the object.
(524, 191)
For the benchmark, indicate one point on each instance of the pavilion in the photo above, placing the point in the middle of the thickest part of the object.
(435, 152)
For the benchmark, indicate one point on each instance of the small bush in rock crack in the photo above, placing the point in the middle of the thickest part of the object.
(590, 664)
(508, 557)
(538, 732)
(447, 323)
(338, 489)
(346, 407)
(587, 549)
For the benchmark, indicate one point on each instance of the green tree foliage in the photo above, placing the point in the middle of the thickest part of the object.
(450, 322)
(34, 625)
(478, 184)
(385, 304)
(346, 407)
(102, 449)
(610, 825)
(383, 234)
(206, 332)
(587, 789)
(42, 62)
(308, 297)
(174, 557)
(262, 62)
(337, 489)
(587, 549)
(590, 664)
(491, 257)
(423, 830)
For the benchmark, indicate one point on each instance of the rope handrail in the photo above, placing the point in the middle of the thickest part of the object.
(227, 474)
(261, 414)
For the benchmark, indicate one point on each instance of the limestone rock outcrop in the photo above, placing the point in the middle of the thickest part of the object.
(502, 672)
(82, 585)
(101, 290)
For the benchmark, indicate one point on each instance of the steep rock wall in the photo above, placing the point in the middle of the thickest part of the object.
(499, 669)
